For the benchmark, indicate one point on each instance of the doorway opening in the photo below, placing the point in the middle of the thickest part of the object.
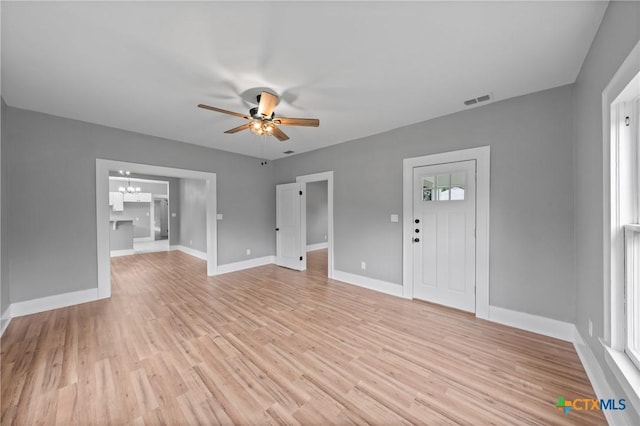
(291, 222)
(317, 226)
(139, 213)
(105, 224)
(317, 206)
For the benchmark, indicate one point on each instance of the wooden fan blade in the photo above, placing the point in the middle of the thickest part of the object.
(268, 102)
(279, 134)
(309, 122)
(239, 128)
(224, 111)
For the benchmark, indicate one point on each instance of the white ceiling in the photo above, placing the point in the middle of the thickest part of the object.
(361, 68)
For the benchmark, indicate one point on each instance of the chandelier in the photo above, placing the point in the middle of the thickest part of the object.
(129, 189)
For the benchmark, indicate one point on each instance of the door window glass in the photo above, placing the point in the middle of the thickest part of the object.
(445, 187)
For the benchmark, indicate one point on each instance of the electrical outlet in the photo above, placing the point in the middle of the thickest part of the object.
(248, 252)
(363, 265)
(590, 328)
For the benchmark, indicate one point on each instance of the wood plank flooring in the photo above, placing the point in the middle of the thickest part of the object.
(274, 346)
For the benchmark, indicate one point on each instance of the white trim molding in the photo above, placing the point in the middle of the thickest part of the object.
(57, 301)
(319, 246)
(626, 374)
(190, 251)
(482, 156)
(245, 264)
(599, 381)
(533, 323)
(370, 283)
(118, 253)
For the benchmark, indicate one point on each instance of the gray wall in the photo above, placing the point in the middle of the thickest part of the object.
(141, 215)
(618, 34)
(121, 238)
(531, 196)
(317, 219)
(51, 209)
(5, 295)
(193, 210)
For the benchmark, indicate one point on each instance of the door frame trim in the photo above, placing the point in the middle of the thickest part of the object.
(102, 213)
(482, 156)
(319, 177)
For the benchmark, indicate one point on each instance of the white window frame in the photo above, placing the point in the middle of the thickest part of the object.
(620, 178)
(632, 241)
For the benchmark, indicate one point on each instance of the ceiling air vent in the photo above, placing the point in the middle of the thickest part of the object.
(477, 100)
(288, 152)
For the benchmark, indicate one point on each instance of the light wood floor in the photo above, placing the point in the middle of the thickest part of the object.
(273, 346)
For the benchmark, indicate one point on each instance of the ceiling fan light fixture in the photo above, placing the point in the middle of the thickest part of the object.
(261, 127)
(262, 120)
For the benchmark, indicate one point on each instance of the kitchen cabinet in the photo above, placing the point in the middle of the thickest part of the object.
(140, 197)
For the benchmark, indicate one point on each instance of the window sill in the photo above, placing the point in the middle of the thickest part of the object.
(626, 373)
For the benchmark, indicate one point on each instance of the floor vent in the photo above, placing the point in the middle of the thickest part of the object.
(477, 100)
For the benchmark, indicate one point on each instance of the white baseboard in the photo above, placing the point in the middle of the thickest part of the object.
(534, 323)
(245, 264)
(193, 252)
(319, 246)
(48, 303)
(370, 283)
(599, 381)
(117, 253)
(5, 320)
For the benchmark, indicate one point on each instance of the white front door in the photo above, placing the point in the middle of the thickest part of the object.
(444, 256)
(289, 244)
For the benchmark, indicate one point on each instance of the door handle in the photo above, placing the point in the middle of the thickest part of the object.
(277, 229)
(416, 240)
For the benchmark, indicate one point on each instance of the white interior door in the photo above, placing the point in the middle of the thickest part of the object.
(444, 256)
(289, 244)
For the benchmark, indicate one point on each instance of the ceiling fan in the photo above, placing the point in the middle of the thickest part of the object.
(263, 120)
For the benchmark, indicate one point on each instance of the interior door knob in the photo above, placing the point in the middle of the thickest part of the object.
(417, 221)
(416, 240)
(417, 231)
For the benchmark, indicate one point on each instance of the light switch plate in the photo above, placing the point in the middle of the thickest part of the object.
(173, 214)
(394, 218)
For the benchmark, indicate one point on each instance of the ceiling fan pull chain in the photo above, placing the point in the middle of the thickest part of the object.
(262, 143)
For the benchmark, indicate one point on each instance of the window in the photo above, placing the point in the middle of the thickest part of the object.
(631, 121)
(621, 122)
(447, 187)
